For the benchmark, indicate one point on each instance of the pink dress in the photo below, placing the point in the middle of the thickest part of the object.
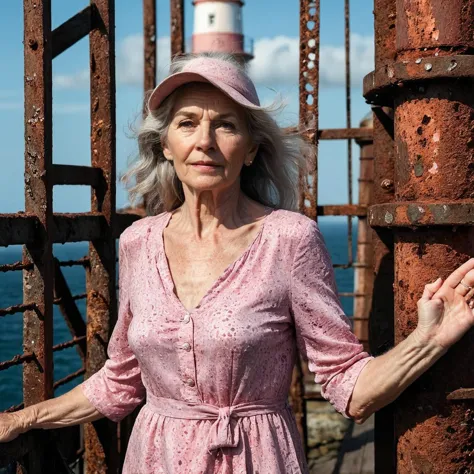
(216, 379)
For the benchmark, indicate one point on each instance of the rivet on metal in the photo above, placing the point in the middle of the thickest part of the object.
(428, 66)
(418, 61)
(387, 184)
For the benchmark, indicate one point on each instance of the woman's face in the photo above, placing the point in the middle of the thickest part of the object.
(207, 139)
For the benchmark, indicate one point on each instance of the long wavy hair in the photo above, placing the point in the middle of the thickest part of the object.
(271, 180)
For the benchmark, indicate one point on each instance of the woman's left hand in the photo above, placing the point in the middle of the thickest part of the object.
(445, 310)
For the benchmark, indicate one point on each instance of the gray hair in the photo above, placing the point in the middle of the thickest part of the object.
(271, 180)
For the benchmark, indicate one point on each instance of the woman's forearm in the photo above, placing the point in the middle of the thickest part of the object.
(72, 408)
(384, 378)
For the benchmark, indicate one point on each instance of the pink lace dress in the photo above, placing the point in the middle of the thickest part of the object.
(216, 379)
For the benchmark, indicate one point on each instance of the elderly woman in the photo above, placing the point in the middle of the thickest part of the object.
(219, 289)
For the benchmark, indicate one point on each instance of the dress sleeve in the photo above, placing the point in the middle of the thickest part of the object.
(323, 333)
(117, 388)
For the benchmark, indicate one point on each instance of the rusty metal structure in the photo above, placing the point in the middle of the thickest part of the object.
(415, 216)
(423, 72)
(302, 389)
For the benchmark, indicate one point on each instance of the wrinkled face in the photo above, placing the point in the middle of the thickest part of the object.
(208, 139)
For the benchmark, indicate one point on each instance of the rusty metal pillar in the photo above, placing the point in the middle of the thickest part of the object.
(431, 85)
(38, 280)
(101, 437)
(149, 44)
(434, 135)
(308, 125)
(308, 97)
(177, 27)
(363, 271)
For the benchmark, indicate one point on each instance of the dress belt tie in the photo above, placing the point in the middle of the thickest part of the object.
(221, 434)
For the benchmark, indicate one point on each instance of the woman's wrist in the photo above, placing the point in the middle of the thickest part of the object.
(26, 418)
(427, 342)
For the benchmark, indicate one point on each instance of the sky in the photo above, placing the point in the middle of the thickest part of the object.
(273, 25)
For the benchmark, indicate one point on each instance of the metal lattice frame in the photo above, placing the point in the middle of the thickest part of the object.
(309, 111)
(38, 228)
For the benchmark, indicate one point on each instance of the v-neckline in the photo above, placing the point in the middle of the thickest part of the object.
(165, 268)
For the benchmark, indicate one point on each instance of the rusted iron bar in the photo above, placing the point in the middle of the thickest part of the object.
(308, 182)
(66, 228)
(79, 227)
(69, 310)
(345, 133)
(177, 27)
(335, 133)
(83, 262)
(68, 344)
(347, 44)
(11, 267)
(18, 229)
(17, 360)
(149, 44)
(308, 100)
(76, 175)
(81, 296)
(434, 119)
(380, 86)
(69, 378)
(18, 308)
(342, 210)
(38, 281)
(409, 214)
(71, 31)
(363, 273)
(101, 452)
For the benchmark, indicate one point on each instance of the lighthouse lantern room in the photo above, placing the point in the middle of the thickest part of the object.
(218, 27)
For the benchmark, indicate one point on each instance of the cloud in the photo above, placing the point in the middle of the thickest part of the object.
(276, 62)
(332, 60)
(130, 59)
(129, 64)
(78, 80)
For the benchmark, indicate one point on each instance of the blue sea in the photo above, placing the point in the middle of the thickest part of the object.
(68, 361)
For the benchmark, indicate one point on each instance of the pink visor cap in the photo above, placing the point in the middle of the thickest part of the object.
(221, 74)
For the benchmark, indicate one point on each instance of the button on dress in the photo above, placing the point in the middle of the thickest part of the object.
(216, 379)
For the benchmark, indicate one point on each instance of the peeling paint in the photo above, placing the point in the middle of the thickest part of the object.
(434, 168)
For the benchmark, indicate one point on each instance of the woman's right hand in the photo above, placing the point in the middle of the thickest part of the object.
(11, 426)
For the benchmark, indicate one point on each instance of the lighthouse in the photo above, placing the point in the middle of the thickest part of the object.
(218, 28)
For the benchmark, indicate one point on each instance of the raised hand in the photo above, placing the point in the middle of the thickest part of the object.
(445, 310)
